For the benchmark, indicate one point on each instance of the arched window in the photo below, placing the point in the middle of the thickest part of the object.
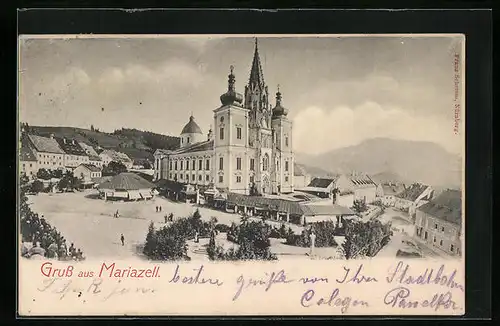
(265, 162)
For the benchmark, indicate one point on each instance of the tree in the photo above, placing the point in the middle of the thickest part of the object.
(37, 186)
(57, 173)
(151, 243)
(113, 168)
(43, 174)
(69, 182)
(359, 206)
(253, 190)
(146, 165)
(365, 239)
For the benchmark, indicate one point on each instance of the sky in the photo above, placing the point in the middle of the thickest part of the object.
(339, 91)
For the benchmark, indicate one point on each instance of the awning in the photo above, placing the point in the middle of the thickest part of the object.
(120, 194)
(134, 194)
(145, 194)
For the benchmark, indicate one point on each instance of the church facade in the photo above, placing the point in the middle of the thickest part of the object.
(249, 150)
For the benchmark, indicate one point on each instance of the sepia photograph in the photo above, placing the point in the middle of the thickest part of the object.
(195, 159)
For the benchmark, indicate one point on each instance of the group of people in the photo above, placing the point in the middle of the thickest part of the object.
(158, 209)
(47, 240)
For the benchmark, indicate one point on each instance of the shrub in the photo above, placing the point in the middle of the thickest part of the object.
(324, 231)
(223, 228)
(365, 239)
(253, 240)
(151, 243)
(37, 186)
(360, 206)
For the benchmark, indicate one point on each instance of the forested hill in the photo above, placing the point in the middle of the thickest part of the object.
(138, 144)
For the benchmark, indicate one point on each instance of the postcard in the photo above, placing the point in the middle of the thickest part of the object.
(182, 175)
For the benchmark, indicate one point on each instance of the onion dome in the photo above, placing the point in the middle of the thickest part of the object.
(279, 110)
(231, 96)
(191, 127)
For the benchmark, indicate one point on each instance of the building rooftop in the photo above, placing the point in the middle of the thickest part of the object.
(413, 192)
(447, 207)
(90, 167)
(126, 181)
(71, 146)
(26, 153)
(334, 209)
(206, 145)
(88, 149)
(191, 127)
(45, 144)
(117, 156)
(320, 183)
(361, 180)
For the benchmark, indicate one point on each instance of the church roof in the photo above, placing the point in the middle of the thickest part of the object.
(256, 74)
(191, 127)
(197, 147)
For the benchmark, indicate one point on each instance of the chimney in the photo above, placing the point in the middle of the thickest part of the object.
(64, 140)
(52, 136)
(73, 141)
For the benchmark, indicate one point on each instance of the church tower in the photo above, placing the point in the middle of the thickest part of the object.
(259, 124)
(283, 158)
(230, 137)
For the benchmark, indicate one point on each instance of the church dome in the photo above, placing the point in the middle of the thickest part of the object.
(191, 127)
(279, 110)
(231, 96)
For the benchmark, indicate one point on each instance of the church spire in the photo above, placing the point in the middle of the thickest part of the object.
(256, 75)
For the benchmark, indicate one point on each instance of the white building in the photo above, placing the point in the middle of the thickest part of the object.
(250, 149)
(413, 197)
(88, 173)
(49, 154)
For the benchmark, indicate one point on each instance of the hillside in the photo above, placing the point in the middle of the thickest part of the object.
(313, 171)
(139, 145)
(388, 159)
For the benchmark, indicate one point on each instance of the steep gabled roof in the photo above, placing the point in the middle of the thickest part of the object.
(447, 207)
(413, 192)
(45, 144)
(71, 146)
(27, 154)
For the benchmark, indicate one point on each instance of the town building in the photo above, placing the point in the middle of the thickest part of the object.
(49, 154)
(321, 187)
(361, 185)
(413, 197)
(301, 178)
(249, 150)
(27, 161)
(438, 223)
(390, 190)
(88, 173)
(94, 158)
(108, 155)
(74, 154)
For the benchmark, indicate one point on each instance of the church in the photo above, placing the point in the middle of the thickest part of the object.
(249, 151)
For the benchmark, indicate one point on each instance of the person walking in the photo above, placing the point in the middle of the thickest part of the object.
(122, 238)
(160, 209)
(157, 209)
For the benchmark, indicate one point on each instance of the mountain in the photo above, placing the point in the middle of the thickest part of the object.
(312, 171)
(137, 144)
(386, 159)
